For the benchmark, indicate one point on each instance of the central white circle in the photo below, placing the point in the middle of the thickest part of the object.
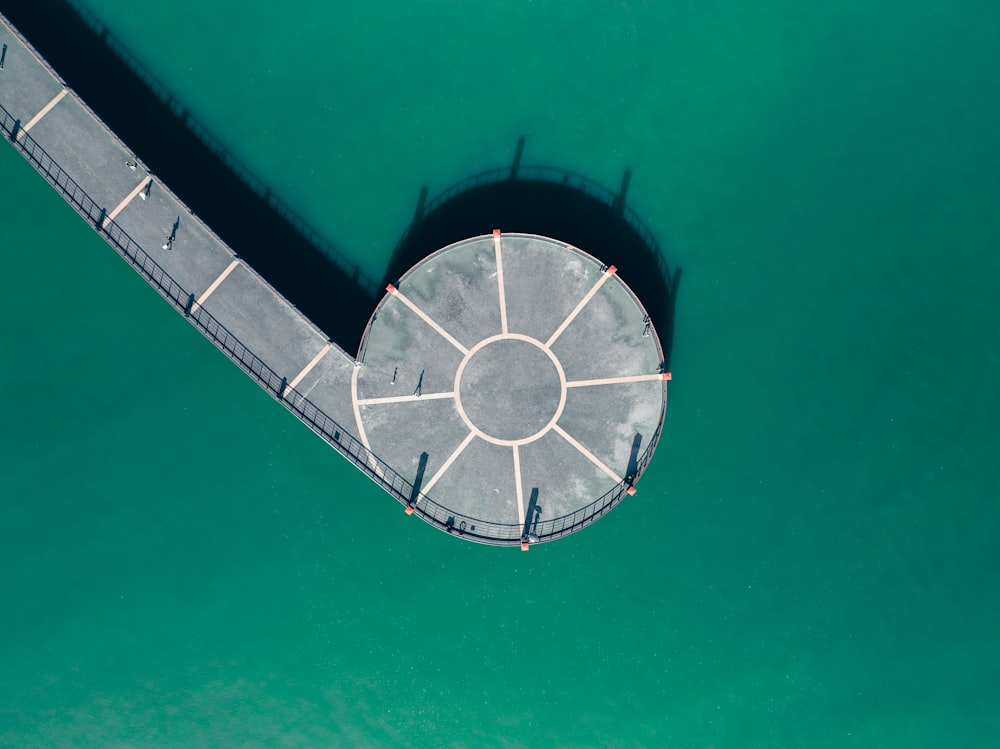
(511, 368)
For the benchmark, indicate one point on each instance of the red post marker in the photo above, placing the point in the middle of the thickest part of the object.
(496, 232)
(524, 546)
(611, 270)
(630, 491)
(391, 289)
(667, 376)
(409, 509)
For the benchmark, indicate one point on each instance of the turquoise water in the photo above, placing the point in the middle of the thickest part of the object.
(811, 558)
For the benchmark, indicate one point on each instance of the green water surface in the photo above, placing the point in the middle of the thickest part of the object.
(811, 558)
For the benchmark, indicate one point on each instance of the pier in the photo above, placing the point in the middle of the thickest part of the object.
(519, 378)
(510, 389)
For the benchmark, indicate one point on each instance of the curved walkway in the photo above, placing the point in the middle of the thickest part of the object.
(517, 376)
(511, 387)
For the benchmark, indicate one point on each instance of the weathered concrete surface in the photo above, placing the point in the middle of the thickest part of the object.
(510, 380)
(194, 257)
(522, 370)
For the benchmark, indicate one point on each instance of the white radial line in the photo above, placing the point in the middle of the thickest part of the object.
(41, 113)
(308, 368)
(583, 303)
(587, 454)
(613, 380)
(518, 488)
(404, 398)
(372, 461)
(447, 464)
(215, 284)
(426, 318)
(500, 285)
(128, 199)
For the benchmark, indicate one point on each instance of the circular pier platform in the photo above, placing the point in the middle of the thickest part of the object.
(516, 382)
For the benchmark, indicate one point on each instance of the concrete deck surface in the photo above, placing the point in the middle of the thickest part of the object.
(514, 377)
(510, 379)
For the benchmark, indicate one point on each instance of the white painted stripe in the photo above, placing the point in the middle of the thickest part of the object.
(587, 454)
(42, 112)
(583, 303)
(447, 464)
(404, 398)
(215, 284)
(520, 491)
(424, 316)
(357, 409)
(310, 365)
(503, 297)
(131, 196)
(614, 380)
(362, 434)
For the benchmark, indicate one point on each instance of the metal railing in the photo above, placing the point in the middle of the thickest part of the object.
(341, 439)
(489, 532)
(219, 149)
(335, 434)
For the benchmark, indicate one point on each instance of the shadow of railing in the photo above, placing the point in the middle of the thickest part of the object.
(272, 237)
(555, 203)
(405, 491)
(509, 534)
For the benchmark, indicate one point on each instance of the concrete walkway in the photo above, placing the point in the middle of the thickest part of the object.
(509, 390)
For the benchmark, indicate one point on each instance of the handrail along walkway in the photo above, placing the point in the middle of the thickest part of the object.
(554, 176)
(237, 167)
(324, 426)
(338, 437)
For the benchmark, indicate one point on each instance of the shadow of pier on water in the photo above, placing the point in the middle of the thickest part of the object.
(322, 282)
(325, 284)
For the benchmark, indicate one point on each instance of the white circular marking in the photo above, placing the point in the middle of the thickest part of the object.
(458, 393)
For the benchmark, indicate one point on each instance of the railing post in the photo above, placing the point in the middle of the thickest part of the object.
(620, 200)
(421, 204)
